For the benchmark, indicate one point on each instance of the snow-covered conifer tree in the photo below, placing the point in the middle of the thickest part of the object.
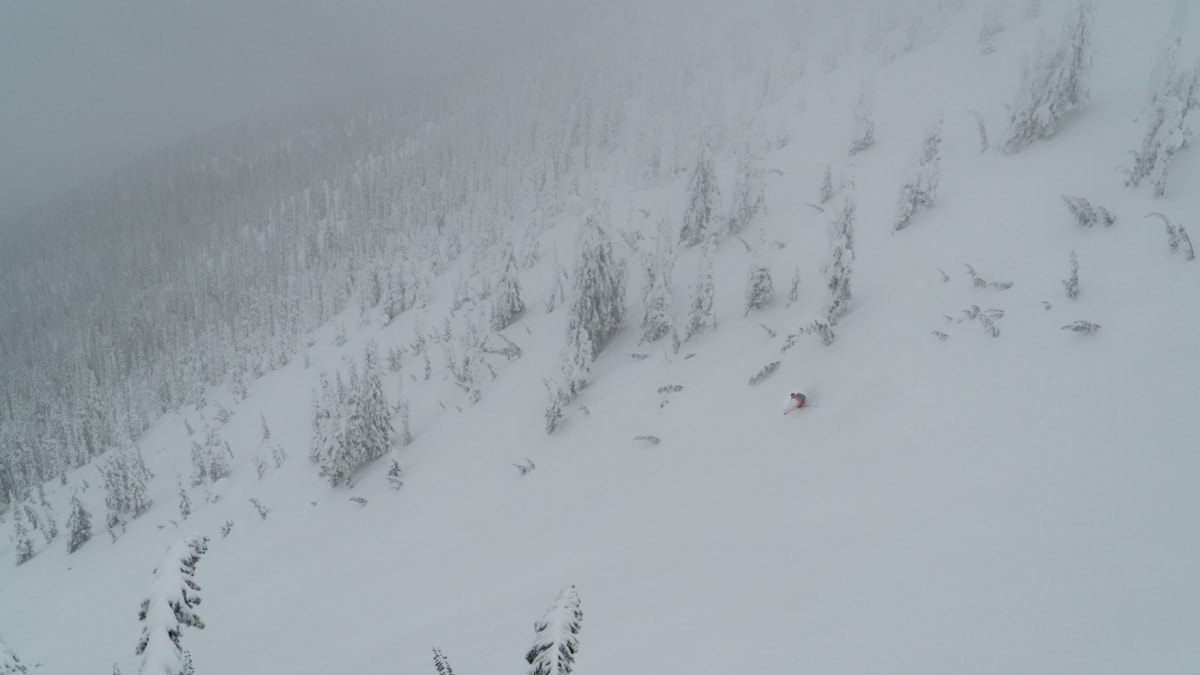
(558, 286)
(506, 298)
(557, 398)
(49, 523)
(22, 542)
(556, 636)
(700, 307)
(748, 197)
(441, 663)
(351, 423)
(759, 286)
(185, 503)
(841, 260)
(1173, 105)
(405, 429)
(599, 304)
(210, 461)
(169, 607)
(370, 429)
(328, 420)
(125, 485)
(700, 216)
(656, 295)
(794, 291)
(79, 525)
(1054, 81)
(420, 346)
(577, 361)
(920, 186)
(863, 135)
(826, 191)
(1072, 283)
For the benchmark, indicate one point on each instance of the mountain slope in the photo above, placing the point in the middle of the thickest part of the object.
(976, 504)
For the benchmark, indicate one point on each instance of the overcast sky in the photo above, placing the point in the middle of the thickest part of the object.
(88, 86)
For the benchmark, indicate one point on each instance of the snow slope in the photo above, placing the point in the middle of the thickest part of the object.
(1021, 503)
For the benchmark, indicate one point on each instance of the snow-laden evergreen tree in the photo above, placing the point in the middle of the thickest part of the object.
(558, 285)
(1054, 81)
(841, 261)
(656, 294)
(464, 352)
(22, 542)
(921, 182)
(126, 491)
(863, 134)
(31, 515)
(329, 413)
(79, 525)
(599, 304)
(185, 503)
(351, 422)
(1072, 283)
(794, 291)
(557, 398)
(420, 347)
(826, 191)
(759, 286)
(169, 607)
(748, 197)
(49, 522)
(556, 636)
(506, 298)
(700, 307)
(991, 26)
(1165, 65)
(700, 217)
(441, 663)
(370, 426)
(1173, 105)
(577, 361)
(9, 663)
(405, 426)
(210, 461)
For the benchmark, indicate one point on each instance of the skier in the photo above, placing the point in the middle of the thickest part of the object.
(797, 402)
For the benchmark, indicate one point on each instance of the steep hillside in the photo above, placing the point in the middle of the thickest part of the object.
(974, 488)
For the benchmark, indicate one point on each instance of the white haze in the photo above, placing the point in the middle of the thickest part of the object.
(89, 87)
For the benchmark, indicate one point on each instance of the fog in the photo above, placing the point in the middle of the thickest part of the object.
(88, 87)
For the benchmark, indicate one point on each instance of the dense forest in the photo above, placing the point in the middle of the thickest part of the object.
(207, 262)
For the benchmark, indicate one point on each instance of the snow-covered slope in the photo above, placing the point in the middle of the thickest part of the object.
(1024, 502)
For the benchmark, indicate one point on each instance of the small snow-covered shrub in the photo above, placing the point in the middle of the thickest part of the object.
(980, 282)
(263, 510)
(1178, 240)
(394, 473)
(1087, 214)
(764, 372)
